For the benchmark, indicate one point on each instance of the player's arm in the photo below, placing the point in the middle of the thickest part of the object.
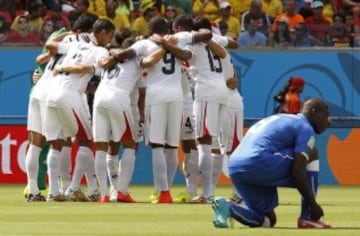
(203, 35)
(52, 44)
(75, 68)
(169, 44)
(153, 58)
(43, 58)
(302, 183)
(232, 44)
(217, 49)
(233, 82)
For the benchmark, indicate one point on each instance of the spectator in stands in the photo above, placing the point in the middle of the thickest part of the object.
(34, 18)
(81, 8)
(239, 7)
(290, 13)
(306, 9)
(8, 6)
(181, 6)
(169, 15)
(272, 8)
(317, 25)
(23, 34)
(339, 35)
(329, 10)
(232, 22)
(282, 37)
(97, 7)
(354, 6)
(252, 37)
(125, 7)
(58, 17)
(256, 11)
(206, 8)
(4, 29)
(148, 11)
(46, 30)
(119, 20)
(302, 37)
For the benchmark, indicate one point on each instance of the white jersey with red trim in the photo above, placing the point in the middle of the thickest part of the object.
(163, 80)
(43, 86)
(209, 72)
(117, 85)
(67, 83)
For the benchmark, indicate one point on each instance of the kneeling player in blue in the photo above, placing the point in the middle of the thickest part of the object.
(278, 151)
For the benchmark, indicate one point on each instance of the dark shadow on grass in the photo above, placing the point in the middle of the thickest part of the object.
(333, 228)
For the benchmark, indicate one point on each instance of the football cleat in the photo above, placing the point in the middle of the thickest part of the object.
(202, 200)
(76, 196)
(310, 224)
(36, 198)
(183, 197)
(125, 198)
(94, 197)
(57, 198)
(222, 218)
(154, 197)
(164, 197)
(104, 199)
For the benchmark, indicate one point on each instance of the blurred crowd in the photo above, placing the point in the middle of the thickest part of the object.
(253, 23)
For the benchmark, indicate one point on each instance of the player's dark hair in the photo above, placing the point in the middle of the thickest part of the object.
(158, 25)
(102, 24)
(184, 21)
(83, 23)
(201, 23)
(122, 35)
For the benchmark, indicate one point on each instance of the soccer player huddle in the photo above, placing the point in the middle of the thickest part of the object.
(178, 81)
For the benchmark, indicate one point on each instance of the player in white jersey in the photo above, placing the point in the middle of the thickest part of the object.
(67, 115)
(114, 124)
(164, 101)
(210, 100)
(232, 124)
(37, 106)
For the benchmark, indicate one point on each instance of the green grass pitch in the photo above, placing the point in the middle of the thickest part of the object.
(18, 217)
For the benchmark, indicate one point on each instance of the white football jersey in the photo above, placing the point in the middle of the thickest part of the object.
(163, 80)
(44, 85)
(209, 73)
(117, 84)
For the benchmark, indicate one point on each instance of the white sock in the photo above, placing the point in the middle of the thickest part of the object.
(113, 170)
(32, 168)
(171, 158)
(193, 174)
(126, 169)
(217, 169)
(53, 171)
(90, 174)
(159, 169)
(65, 168)
(205, 168)
(81, 163)
(101, 171)
(266, 223)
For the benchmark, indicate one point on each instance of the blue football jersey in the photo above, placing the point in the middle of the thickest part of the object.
(284, 134)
